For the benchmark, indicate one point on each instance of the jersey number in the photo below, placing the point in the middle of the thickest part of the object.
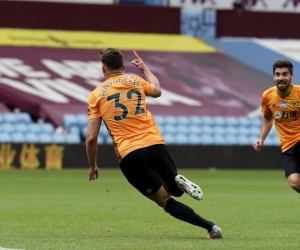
(116, 98)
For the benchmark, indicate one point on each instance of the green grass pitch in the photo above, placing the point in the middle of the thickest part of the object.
(63, 210)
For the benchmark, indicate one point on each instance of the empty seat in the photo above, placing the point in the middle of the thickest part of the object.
(244, 121)
(23, 118)
(219, 130)
(207, 120)
(219, 140)
(72, 138)
(45, 138)
(31, 138)
(70, 120)
(230, 130)
(243, 131)
(196, 120)
(9, 118)
(219, 120)
(194, 139)
(244, 140)
(231, 140)
(47, 128)
(207, 129)
(195, 130)
(7, 128)
(108, 140)
(256, 122)
(34, 128)
(169, 139)
(18, 137)
(172, 120)
(207, 140)
(4, 137)
(181, 139)
(183, 120)
(170, 129)
(58, 138)
(82, 120)
(182, 129)
(232, 121)
(21, 128)
(1, 118)
(101, 140)
(159, 119)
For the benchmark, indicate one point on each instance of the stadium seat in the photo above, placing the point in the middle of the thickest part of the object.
(23, 118)
(207, 140)
(243, 131)
(45, 138)
(219, 140)
(70, 120)
(244, 121)
(9, 118)
(21, 128)
(4, 137)
(231, 121)
(108, 140)
(74, 130)
(219, 130)
(1, 118)
(31, 138)
(169, 139)
(47, 128)
(72, 138)
(194, 139)
(195, 130)
(206, 129)
(58, 138)
(256, 122)
(230, 140)
(84, 131)
(244, 140)
(159, 119)
(34, 128)
(82, 120)
(183, 120)
(196, 120)
(181, 139)
(170, 129)
(255, 131)
(7, 128)
(207, 120)
(101, 140)
(182, 129)
(230, 130)
(219, 121)
(18, 137)
(171, 120)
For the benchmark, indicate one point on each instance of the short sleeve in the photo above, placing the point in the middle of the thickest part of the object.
(147, 86)
(264, 105)
(93, 107)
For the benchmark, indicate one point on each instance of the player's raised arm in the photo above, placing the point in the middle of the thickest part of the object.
(139, 63)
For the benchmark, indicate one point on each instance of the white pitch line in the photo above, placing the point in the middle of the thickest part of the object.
(2, 248)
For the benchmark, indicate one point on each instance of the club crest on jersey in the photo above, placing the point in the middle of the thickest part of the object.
(294, 104)
(277, 114)
(282, 105)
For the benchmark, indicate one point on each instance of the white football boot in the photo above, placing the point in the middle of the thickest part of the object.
(189, 187)
(215, 233)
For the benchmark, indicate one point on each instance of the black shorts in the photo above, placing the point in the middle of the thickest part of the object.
(146, 168)
(290, 160)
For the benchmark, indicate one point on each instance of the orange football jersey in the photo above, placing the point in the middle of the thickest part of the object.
(286, 114)
(120, 102)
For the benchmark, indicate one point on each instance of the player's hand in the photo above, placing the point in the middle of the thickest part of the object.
(93, 173)
(138, 62)
(258, 145)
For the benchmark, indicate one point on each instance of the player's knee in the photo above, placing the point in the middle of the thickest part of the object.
(294, 181)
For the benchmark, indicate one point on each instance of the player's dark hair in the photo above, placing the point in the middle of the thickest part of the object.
(111, 58)
(283, 64)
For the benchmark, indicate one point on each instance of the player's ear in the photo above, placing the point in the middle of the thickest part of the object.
(123, 67)
(103, 69)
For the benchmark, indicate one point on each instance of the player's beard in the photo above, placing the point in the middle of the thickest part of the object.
(283, 85)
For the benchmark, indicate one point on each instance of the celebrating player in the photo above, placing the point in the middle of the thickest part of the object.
(144, 160)
(281, 104)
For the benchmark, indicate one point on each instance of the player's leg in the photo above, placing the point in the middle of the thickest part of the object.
(291, 164)
(184, 213)
(165, 166)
